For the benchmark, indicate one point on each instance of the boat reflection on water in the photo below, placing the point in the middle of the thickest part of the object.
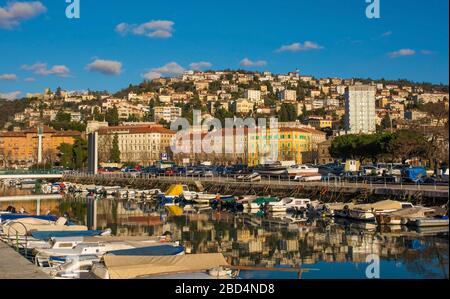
(329, 248)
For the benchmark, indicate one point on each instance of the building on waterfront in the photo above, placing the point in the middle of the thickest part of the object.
(21, 148)
(139, 144)
(167, 113)
(360, 109)
(294, 144)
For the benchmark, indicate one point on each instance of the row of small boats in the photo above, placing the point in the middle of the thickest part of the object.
(389, 212)
(66, 250)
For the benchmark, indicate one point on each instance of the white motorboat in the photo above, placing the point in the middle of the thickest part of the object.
(368, 212)
(289, 203)
(308, 177)
(302, 170)
(254, 177)
(271, 169)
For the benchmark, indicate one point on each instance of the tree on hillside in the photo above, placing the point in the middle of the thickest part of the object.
(112, 116)
(115, 151)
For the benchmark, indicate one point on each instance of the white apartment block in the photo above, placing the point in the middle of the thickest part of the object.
(360, 109)
(168, 113)
(288, 95)
(253, 95)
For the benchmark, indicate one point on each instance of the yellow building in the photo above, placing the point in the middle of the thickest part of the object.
(320, 122)
(243, 106)
(292, 143)
(20, 149)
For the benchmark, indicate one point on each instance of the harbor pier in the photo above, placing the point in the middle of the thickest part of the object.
(15, 266)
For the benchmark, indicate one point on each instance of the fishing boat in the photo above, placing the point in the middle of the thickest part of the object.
(271, 169)
(367, 212)
(132, 267)
(403, 216)
(302, 170)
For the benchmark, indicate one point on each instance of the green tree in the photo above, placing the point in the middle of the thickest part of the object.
(80, 153)
(98, 116)
(65, 155)
(115, 151)
(112, 116)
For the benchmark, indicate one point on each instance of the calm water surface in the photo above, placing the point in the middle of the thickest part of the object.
(330, 249)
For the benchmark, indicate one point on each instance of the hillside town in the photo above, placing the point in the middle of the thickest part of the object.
(311, 113)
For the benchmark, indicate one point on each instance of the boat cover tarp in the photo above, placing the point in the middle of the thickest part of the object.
(161, 250)
(6, 217)
(174, 190)
(46, 235)
(263, 200)
(128, 267)
(416, 212)
(25, 226)
(381, 205)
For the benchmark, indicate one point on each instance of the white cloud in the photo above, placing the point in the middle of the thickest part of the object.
(30, 79)
(169, 69)
(401, 53)
(106, 67)
(249, 63)
(8, 77)
(152, 29)
(201, 65)
(296, 47)
(15, 12)
(10, 96)
(41, 69)
(386, 34)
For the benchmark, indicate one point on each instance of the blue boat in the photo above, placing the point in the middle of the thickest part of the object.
(160, 250)
(6, 217)
(46, 235)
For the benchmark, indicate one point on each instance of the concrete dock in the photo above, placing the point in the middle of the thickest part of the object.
(15, 266)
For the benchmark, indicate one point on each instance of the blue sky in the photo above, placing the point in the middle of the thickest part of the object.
(41, 48)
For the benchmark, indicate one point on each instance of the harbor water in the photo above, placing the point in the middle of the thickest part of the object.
(327, 248)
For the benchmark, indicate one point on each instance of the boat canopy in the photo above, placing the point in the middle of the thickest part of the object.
(6, 217)
(381, 205)
(46, 235)
(263, 200)
(161, 250)
(128, 267)
(174, 190)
